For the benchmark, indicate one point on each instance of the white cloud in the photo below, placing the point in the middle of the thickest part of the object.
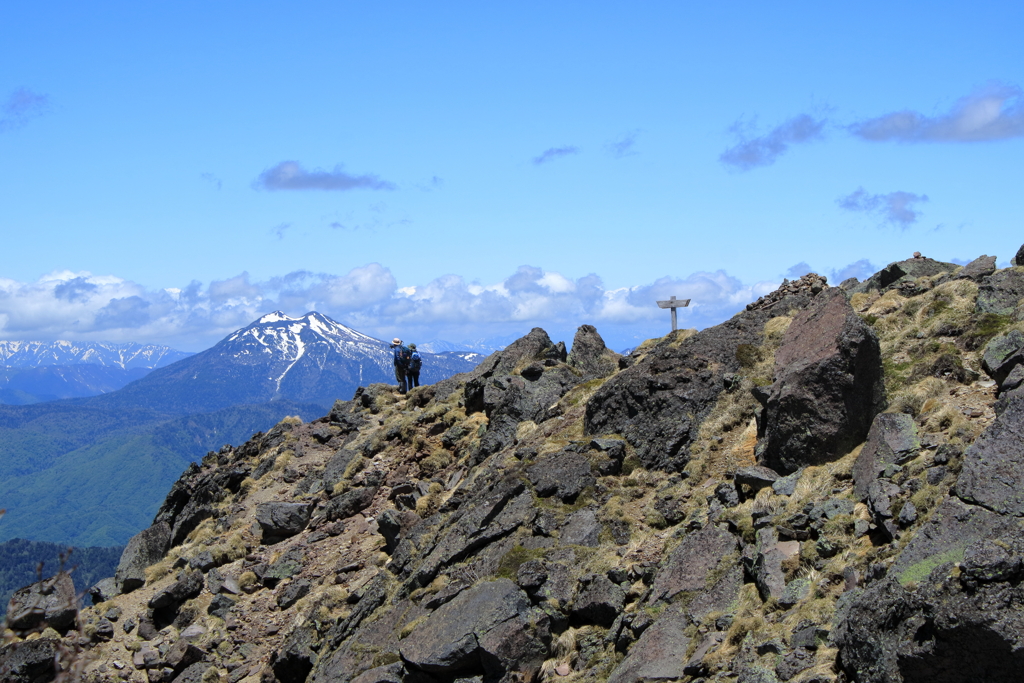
(84, 306)
(290, 175)
(895, 208)
(763, 150)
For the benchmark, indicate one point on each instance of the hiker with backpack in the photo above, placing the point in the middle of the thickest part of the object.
(415, 362)
(402, 356)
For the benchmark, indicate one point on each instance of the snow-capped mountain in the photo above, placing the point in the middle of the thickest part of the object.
(311, 359)
(127, 356)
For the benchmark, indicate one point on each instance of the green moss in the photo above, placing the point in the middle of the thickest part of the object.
(513, 559)
(919, 571)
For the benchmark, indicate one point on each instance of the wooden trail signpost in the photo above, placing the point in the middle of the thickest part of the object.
(674, 303)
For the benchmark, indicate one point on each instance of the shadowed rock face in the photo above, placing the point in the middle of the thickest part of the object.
(590, 356)
(827, 389)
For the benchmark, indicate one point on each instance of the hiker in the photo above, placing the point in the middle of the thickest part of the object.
(414, 367)
(401, 359)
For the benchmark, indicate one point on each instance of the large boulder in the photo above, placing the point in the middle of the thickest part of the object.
(590, 356)
(658, 403)
(827, 389)
(1001, 292)
(144, 549)
(281, 520)
(563, 474)
(993, 466)
(51, 602)
(29, 661)
(490, 629)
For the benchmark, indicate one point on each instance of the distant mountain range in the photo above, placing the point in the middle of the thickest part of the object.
(91, 471)
(34, 371)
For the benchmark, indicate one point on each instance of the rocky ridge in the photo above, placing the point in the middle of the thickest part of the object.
(824, 487)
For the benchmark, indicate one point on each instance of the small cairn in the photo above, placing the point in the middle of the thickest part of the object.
(811, 283)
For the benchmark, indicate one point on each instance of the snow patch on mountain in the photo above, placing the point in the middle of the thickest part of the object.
(127, 356)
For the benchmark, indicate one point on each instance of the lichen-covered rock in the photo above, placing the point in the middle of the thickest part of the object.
(827, 388)
(892, 439)
(993, 466)
(1003, 354)
(144, 549)
(1001, 292)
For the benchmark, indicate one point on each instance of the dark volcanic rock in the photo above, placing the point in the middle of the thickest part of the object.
(658, 403)
(892, 439)
(828, 386)
(51, 602)
(582, 528)
(350, 502)
(993, 466)
(1001, 292)
(564, 474)
(489, 629)
(590, 356)
(281, 520)
(597, 600)
(29, 661)
(689, 565)
(144, 549)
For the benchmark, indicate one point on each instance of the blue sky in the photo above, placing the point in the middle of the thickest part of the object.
(466, 171)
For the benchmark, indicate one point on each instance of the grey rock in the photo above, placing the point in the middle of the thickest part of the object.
(51, 602)
(165, 604)
(292, 593)
(563, 474)
(1002, 354)
(220, 606)
(827, 388)
(727, 495)
(786, 486)
(280, 520)
(1013, 380)
(1001, 292)
(831, 508)
(392, 673)
(987, 561)
(908, 514)
(691, 562)
(589, 354)
(978, 269)
(597, 600)
(993, 466)
(144, 549)
(1018, 258)
(695, 664)
(892, 440)
(105, 589)
(582, 528)
(349, 503)
(895, 274)
(755, 478)
(193, 673)
(29, 661)
(794, 662)
(203, 561)
(486, 629)
(795, 591)
(808, 635)
(660, 653)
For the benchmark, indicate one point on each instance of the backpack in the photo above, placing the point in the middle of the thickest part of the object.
(402, 355)
(415, 361)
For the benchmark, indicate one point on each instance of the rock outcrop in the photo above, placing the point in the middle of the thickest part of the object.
(827, 388)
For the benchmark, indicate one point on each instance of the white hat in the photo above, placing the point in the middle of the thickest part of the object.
(396, 340)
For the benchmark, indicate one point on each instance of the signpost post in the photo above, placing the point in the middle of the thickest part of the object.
(674, 303)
